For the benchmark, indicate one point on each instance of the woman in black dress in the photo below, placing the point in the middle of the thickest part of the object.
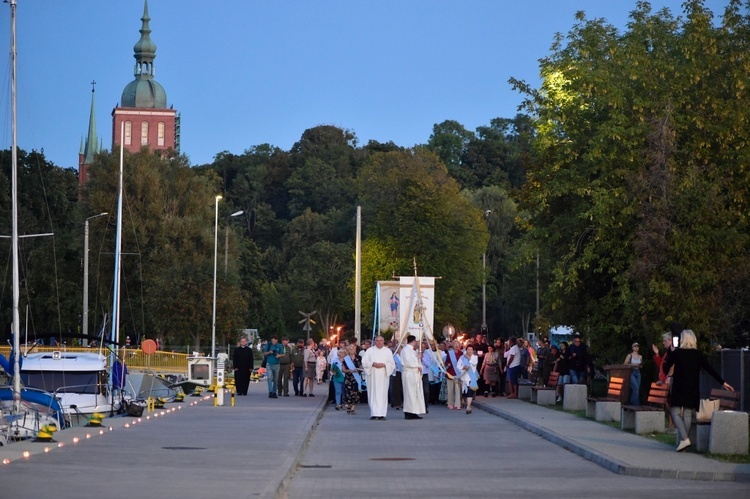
(351, 387)
(685, 379)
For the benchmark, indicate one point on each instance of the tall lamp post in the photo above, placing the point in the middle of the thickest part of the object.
(85, 328)
(226, 240)
(484, 283)
(216, 249)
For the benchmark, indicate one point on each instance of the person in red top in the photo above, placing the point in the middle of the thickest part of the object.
(666, 340)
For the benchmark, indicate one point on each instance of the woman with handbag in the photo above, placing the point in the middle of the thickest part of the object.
(684, 398)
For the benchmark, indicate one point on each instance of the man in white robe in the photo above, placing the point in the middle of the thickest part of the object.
(378, 364)
(411, 379)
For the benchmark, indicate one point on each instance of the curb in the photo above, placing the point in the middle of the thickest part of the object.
(610, 463)
(279, 481)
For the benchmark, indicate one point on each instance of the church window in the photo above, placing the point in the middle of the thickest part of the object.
(128, 133)
(144, 133)
(160, 139)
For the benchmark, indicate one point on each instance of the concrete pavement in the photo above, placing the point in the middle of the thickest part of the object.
(296, 447)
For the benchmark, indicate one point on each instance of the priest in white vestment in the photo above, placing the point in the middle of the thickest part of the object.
(411, 379)
(378, 364)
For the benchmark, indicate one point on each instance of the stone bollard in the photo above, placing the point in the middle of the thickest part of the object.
(729, 433)
(574, 397)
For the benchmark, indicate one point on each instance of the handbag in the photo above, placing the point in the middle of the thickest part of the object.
(706, 409)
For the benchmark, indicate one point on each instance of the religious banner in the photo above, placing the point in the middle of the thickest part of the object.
(417, 311)
(389, 305)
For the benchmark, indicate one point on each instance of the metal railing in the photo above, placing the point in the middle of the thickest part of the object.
(135, 359)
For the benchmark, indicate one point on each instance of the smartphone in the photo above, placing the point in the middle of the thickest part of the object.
(675, 341)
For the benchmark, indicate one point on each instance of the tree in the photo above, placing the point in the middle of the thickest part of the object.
(637, 194)
(169, 224)
(412, 209)
(508, 287)
(50, 270)
(450, 140)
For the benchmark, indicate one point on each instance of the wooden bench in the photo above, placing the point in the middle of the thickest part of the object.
(644, 419)
(545, 395)
(727, 431)
(606, 408)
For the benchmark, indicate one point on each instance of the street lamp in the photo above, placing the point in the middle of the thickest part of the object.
(484, 283)
(216, 248)
(226, 240)
(85, 329)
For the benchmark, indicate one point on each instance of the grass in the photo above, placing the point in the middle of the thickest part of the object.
(665, 438)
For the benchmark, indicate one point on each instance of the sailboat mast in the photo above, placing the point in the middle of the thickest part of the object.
(14, 198)
(118, 254)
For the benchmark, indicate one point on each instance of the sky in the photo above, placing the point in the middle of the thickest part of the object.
(248, 72)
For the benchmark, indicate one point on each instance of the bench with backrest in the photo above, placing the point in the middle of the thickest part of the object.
(644, 419)
(727, 430)
(545, 395)
(606, 408)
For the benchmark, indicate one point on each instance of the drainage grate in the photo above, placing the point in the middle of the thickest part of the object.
(184, 448)
(315, 466)
(392, 459)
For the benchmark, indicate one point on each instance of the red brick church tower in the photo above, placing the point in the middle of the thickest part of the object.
(143, 106)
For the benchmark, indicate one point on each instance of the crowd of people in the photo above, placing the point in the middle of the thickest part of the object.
(386, 374)
(410, 377)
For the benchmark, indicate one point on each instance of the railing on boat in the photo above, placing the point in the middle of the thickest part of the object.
(135, 359)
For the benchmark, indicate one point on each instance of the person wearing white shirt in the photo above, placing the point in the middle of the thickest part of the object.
(378, 364)
(514, 366)
(411, 379)
(467, 366)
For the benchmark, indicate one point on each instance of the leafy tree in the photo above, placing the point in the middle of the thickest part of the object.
(50, 270)
(637, 194)
(450, 141)
(508, 298)
(169, 223)
(412, 209)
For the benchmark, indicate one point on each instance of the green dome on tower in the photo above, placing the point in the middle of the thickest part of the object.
(144, 91)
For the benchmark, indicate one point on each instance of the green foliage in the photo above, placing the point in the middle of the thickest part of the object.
(49, 266)
(414, 210)
(637, 195)
(168, 233)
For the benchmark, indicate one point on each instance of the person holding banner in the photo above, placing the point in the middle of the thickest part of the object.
(467, 366)
(378, 364)
(411, 378)
(352, 379)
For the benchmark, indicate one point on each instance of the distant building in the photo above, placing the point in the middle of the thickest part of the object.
(148, 122)
(143, 106)
(89, 146)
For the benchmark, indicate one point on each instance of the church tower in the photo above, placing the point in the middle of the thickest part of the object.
(89, 146)
(143, 106)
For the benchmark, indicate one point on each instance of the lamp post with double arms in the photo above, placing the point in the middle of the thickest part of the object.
(216, 249)
(85, 325)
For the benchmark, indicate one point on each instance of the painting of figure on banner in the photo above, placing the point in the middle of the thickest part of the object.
(390, 307)
(418, 311)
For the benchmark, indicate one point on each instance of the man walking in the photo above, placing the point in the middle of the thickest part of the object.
(272, 353)
(411, 378)
(298, 365)
(242, 362)
(285, 368)
(378, 364)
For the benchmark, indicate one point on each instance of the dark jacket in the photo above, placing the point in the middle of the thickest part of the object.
(242, 360)
(686, 378)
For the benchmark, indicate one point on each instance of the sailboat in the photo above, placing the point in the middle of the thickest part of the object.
(29, 410)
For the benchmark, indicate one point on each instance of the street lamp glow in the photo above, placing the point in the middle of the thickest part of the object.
(216, 248)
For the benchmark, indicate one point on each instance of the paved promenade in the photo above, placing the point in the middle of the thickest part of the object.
(295, 447)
